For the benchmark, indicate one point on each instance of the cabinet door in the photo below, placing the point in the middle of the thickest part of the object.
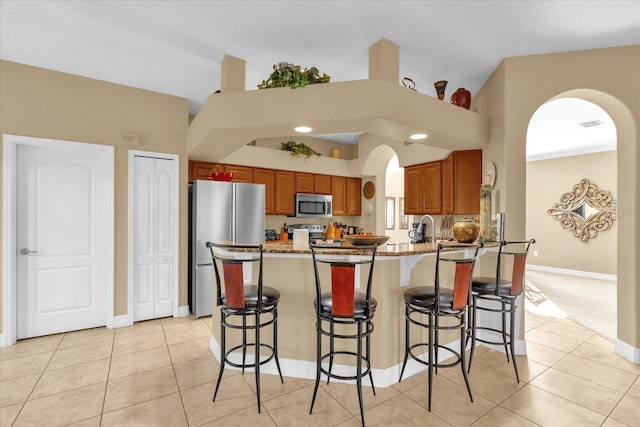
(304, 182)
(284, 194)
(266, 177)
(240, 173)
(203, 170)
(447, 185)
(467, 178)
(430, 181)
(354, 201)
(339, 192)
(412, 190)
(322, 184)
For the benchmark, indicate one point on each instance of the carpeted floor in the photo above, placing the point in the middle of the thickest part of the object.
(590, 303)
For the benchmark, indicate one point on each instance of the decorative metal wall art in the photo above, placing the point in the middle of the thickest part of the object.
(585, 210)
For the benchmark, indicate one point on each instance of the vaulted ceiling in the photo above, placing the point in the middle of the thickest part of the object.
(176, 47)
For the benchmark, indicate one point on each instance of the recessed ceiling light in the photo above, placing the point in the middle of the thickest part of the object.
(303, 129)
(418, 136)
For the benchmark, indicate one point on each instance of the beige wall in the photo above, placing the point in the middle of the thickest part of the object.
(547, 181)
(48, 104)
(607, 77)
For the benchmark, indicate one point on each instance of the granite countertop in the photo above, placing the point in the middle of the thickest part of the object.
(386, 249)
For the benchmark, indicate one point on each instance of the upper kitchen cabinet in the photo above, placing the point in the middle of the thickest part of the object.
(449, 186)
(461, 180)
(268, 178)
(423, 189)
(285, 192)
(203, 170)
(240, 173)
(304, 182)
(322, 184)
(354, 201)
(313, 183)
(346, 196)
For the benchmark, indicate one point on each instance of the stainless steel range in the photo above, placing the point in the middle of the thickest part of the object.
(315, 230)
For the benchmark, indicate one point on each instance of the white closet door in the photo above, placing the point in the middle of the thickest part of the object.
(62, 239)
(153, 231)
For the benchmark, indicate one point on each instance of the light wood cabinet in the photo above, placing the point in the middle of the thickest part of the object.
(461, 180)
(240, 173)
(267, 177)
(339, 192)
(285, 188)
(281, 186)
(450, 186)
(422, 189)
(322, 184)
(354, 200)
(203, 170)
(304, 182)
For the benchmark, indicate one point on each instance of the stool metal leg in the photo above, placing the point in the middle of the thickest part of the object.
(512, 341)
(257, 358)
(472, 328)
(463, 347)
(505, 340)
(359, 371)
(318, 364)
(406, 340)
(223, 355)
(431, 361)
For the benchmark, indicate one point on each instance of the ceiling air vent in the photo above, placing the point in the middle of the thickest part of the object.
(591, 123)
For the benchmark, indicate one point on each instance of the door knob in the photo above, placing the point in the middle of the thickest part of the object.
(26, 251)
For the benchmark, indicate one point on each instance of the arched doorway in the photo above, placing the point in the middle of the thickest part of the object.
(569, 140)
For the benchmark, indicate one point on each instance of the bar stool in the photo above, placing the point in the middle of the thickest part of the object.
(244, 307)
(425, 305)
(342, 313)
(496, 290)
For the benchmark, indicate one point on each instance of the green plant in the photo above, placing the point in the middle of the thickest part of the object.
(298, 149)
(287, 74)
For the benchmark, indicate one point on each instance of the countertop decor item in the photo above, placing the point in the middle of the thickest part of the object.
(287, 74)
(485, 213)
(490, 174)
(440, 85)
(369, 190)
(461, 98)
(298, 149)
(466, 231)
(365, 239)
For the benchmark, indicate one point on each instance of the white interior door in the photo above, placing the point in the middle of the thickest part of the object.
(153, 205)
(62, 239)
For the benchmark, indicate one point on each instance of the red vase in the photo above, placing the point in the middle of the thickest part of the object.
(461, 98)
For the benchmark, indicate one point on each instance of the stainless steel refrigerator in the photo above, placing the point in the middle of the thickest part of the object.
(219, 211)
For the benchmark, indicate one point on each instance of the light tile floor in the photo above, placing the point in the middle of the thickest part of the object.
(161, 373)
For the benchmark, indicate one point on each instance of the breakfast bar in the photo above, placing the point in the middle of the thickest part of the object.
(290, 270)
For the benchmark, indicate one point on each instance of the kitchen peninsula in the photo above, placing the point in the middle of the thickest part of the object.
(291, 272)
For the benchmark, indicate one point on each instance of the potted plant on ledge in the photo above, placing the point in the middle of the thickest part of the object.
(287, 74)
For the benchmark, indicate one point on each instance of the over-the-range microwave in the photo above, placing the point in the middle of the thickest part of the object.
(313, 205)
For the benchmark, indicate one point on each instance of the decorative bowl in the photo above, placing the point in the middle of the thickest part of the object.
(365, 239)
(222, 176)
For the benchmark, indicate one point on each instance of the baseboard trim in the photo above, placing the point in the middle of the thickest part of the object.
(5, 341)
(587, 274)
(122, 321)
(382, 378)
(183, 311)
(629, 352)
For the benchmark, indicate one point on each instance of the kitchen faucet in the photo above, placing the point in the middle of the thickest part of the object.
(433, 228)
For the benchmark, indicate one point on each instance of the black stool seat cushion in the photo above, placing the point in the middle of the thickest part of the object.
(487, 286)
(270, 296)
(425, 296)
(359, 302)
